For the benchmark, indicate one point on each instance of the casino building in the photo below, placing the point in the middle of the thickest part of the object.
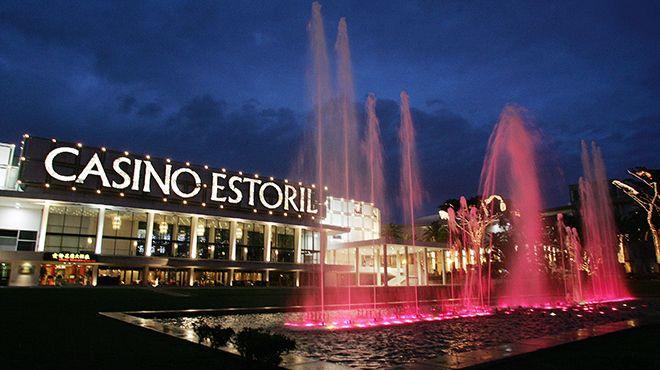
(71, 214)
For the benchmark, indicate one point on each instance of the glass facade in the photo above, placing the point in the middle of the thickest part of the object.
(112, 275)
(71, 229)
(310, 247)
(282, 244)
(213, 238)
(249, 241)
(124, 233)
(171, 236)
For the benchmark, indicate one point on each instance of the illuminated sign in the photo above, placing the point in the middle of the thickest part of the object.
(69, 257)
(75, 168)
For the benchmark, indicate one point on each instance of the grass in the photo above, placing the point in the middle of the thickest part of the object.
(60, 328)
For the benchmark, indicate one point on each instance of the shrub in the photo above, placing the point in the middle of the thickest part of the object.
(220, 336)
(262, 346)
(203, 332)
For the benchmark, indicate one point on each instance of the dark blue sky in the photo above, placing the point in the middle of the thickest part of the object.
(224, 82)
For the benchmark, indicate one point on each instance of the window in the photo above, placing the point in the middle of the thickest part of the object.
(8, 239)
(124, 233)
(71, 229)
(213, 243)
(311, 247)
(282, 244)
(109, 275)
(5, 269)
(171, 236)
(250, 241)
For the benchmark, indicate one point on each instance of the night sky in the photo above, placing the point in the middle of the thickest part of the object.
(224, 83)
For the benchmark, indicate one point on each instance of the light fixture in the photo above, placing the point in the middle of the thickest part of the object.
(203, 204)
(89, 241)
(53, 140)
(73, 188)
(162, 228)
(121, 194)
(103, 149)
(116, 222)
(47, 185)
(79, 145)
(98, 191)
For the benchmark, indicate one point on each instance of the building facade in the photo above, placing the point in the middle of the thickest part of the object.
(77, 215)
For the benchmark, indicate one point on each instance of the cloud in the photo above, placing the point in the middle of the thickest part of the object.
(126, 104)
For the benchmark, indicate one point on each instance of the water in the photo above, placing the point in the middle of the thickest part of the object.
(510, 170)
(374, 153)
(352, 156)
(395, 346)
(599, 229)
(410, 185)
(321, 94)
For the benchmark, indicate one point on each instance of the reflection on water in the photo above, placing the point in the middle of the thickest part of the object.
(392, 346)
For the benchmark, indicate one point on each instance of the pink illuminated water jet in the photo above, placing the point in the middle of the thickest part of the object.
(599, 229)
(510, 170)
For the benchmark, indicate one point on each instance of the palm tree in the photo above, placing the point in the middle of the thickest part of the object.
(393, 233)
(435, 232)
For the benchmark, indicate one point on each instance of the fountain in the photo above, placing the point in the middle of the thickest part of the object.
(599, 230)
(510, 169)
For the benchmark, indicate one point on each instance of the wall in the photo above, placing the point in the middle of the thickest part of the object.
(12, 218)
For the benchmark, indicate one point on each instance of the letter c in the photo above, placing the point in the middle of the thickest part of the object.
(51, 157)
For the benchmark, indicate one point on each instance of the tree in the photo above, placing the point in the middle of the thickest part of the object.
(393, 233)
(435, 232)
(643, 189)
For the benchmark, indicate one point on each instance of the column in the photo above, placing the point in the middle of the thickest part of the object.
(231, 271)
(297, 247)
(41, 237)
(175, 237)
(268, 237)
(358, 264)
(145, 275)
(443, 267)
(211, 241)
(379, 276)
(99, 231)
(297, 279)
(266, 276)
(232, 247)
(419, 268)
(193, 239)
(149, 238)
(405, 259)
(425, 269)
(191, 276)
(385, 263)
(95, 274)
